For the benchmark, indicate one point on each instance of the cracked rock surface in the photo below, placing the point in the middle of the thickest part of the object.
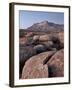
(36, 66)
(56, 64)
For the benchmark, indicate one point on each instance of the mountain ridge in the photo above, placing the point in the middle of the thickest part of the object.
(45, 26)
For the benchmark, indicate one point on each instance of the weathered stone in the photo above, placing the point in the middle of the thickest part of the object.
(23, 40)
(61, 37)
(56, 64)
(39, 48)
(39, 71)
(47, 44)
(36, 66)
(44, 38)
(53, 49)
(36, 37)
(29, 34)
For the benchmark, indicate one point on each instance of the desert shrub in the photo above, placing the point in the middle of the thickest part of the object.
(55, 39)
(22, 33)
(56, 43)
(24, 54)
(29, 40)
(35, 42)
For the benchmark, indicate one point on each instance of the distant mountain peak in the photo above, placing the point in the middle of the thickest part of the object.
(39, 26)
(45, 26)
(42, 23)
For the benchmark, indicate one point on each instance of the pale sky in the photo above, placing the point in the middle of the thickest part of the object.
(28, 18)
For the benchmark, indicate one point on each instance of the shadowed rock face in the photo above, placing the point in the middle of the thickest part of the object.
(39, 48)
(36, 66)
(56, 64)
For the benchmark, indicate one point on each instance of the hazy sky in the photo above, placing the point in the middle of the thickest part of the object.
(28, 18)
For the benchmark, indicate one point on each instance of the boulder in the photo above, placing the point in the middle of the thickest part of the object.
(29, 34)
(36, 67)
(39, 48)
(36, 37)
(56, 64)
(47, 44)
(22, 40)
(53, 49)
(61, 37)
(44, 38)
(40, 71)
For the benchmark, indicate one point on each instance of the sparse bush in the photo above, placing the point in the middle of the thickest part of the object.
(22, 33)
(56, 43)
(24, 54)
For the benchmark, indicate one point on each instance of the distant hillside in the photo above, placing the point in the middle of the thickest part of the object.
(44, 26)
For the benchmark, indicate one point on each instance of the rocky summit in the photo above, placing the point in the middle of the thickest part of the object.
(45, 26)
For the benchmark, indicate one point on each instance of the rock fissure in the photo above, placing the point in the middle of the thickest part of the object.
(47, 59)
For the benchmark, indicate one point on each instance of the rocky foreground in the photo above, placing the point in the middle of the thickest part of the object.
(44, 65)
(41, 53)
